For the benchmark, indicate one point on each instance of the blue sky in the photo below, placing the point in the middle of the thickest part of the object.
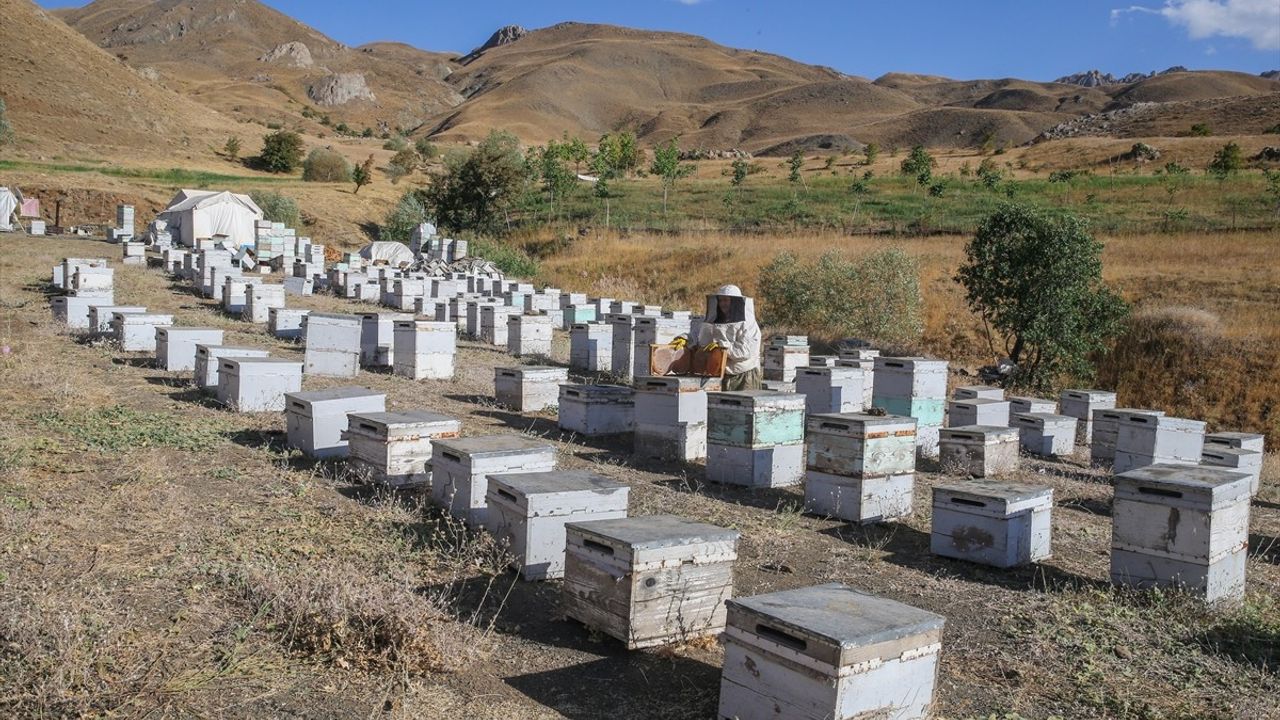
(1032, 39)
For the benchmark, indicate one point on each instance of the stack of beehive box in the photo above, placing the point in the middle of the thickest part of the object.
(494, 320)
(591, 347)
(332, 344)
(260, 300)
(424, 350)
(287, 323)
(235, 293)
(671, 417)
(87, 284)
(1081, 405)
(529, 335)
(377, 338)
(1144, 439)
(860, 468)
(784, 355)
(1237, 451)
(1046, 434)
(176, 346)
(979, 450)
(755, 438)
(1106, 429)
(136, 332)
(257, 384)
(914, 387)
(208, 357)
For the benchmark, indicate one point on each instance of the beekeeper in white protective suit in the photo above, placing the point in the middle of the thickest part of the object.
(730, 322)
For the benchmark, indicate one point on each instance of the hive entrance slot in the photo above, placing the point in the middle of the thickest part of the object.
(967, 501)
(507, 495)
(781, 637)
(1161, 492)
(597, 546)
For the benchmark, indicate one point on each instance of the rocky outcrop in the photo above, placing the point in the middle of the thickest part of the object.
(291, 53)
(1096, 125)
(503, 36)
(1097, 78)
(1271, 74)
(340, 89)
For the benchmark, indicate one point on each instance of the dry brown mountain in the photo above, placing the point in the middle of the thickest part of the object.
(252, 61)
(255, 63)
(63, 91)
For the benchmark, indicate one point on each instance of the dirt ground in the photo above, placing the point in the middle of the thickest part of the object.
(161, 557)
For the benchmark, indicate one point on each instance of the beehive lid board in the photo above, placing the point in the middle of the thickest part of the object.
(1233, 457)
(834, 623)
(650, 537)
(174, 330)
(1165, 423)
(1192, 486)
(566, 492)
(977, 402)
(995, 498)
(757, 399)
(1242, 440)
(275, 366)
(1117, 413)
(836, 374)
(223, 351)
(597, 392)
(676, 384)
(340, 393)
(857, 425)
(381, 422)
(534, 372)
(965, 392)
(491, 445)
(985, 434)
(1047, 420)
(336, 318)
(1090, 396)
(143, 318)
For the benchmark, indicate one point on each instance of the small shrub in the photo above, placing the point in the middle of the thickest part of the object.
(403, 163)
(6, 130)
(1227, 161)
(510, 260)
(1200, 130)
(367, 133)
(278, 208)
(281, 151)
(232, 148)
(426, 149)
(408, 214)
(396, 144)
(919, 164)
(325, 165)
(876, 297)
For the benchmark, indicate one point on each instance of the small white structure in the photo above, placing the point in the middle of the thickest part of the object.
(828, 652)
(992, 523)
(136, 332)
(596, 410)
(529, 511)
(671, 417)
(316, 421)
(529, 388)
(8, 208)
(249, 385)
(394, 448)
(176, 346)
(195, 214)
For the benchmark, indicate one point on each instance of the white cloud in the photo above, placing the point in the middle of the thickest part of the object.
(1257, 21)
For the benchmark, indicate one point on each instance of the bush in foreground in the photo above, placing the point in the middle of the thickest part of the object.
(325, 165)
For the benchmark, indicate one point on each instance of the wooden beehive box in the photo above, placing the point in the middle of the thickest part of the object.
(651, 580)
(529, 388)
(394, 448)
(315, 421)
(530, 510)
(597, 410)
(460, 468)
(992, 523)
(861, 445)
(979, 450)
(828, 652)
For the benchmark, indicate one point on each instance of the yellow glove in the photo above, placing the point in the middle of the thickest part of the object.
(713, 345)
(679, 342)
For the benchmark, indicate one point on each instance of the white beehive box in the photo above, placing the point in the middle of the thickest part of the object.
(651, 331)
(1106, 428)
(529, 335)
(260, 299)
(578, 314)
(651, 580)
(755, 438)
(75, 312)
(828, 652)
(1029, 405)
(100, 316)
(591, 347)
(136, 332)
(832, 389)
(1146, 440)
(286, 323)
(257, 384)
(979, 450)
(992, 523)
(332, 344)
(622, 307)
(315, 421)
(394, 448)
(474, 323)
(860, 468)
(529, 388)
(784, 355)
(1181, 526)
(92, 282)
(978, 392)
(1240, 440)
(597, 410)
(207, 357)
(377, 338)
(1248, 462)
(425, 350)
(910, 377)
(978, 411)
(671, 417)
(623, 347)
(862, 500)
(529, 512)
(1046, 434)
(1081, 404)
(460, 469)
(235, 293)
(176, 346)
(493, 324)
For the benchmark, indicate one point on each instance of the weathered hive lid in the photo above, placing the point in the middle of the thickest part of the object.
(380, 421)
(859, 425)
(1089, 395)
(338, 393)
(836, 624)
(993, 497)
(655, 532)
(979, 433)
(757, 399)
(492, 445)
(1197, 486)
(597, 392)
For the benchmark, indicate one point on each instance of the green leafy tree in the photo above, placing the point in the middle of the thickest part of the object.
(576, 152)
(396, 144)
(231, 149)
(403, 163)
(989, 174)
(666, 165)
(475, 189)
(362, 175)
(918, 164)
(795, 164)
(605, 174)
(325, 165)
(876, 297)
(281, 151)
(1036, 282)
(740, 170)
(621, 152)
(408, 214)
(277, 207)
(553, 170)
(1273, 186)
(426, 149)
(1201, 130)
(1227, 161)
(367, 133)
(870, 153)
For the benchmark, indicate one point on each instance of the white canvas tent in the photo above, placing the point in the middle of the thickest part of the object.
(204, 213)
(8, 206)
